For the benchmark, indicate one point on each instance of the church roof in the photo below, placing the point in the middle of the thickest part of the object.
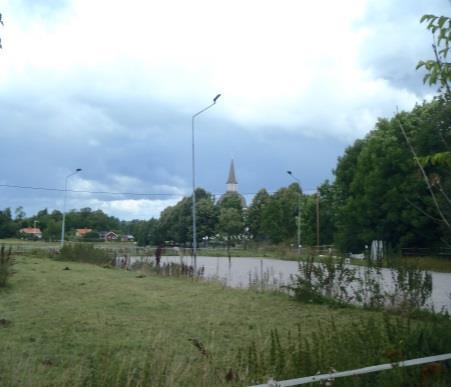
(232, 178)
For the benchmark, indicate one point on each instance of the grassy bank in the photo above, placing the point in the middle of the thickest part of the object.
(74, 324)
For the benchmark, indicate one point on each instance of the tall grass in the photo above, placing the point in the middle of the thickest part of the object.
(334, 282)
(283, 354)
(6, 263)
(363, 343)
(170, 269)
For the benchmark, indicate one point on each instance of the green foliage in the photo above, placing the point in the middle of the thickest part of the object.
(335, 283)
(437, 159)
(255, 215)
(438, 70)
(230, 223)
(379, 192)
(96, 220)
(175, 223)
(91, 236)
(170, 269)
(8, 228)
(279, 216)
(145, 232)
(85, 252)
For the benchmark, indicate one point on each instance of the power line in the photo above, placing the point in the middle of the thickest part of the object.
(117, 193)
(84, 191)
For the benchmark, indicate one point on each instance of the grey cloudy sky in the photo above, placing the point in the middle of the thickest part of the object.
(110, 87)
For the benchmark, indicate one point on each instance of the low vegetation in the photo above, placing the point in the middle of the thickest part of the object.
(85, 252)
(66, 323)
(335, 282)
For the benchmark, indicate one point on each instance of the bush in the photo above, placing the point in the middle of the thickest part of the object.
(85, 252)
(336, 283)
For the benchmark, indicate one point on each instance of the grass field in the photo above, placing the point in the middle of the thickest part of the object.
(56, 318)
(75, 324)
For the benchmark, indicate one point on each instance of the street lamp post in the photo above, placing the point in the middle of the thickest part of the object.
(64, 205)
(193, 163)
(299, 211)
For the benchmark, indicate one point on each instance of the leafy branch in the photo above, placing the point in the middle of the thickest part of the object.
(438, 70)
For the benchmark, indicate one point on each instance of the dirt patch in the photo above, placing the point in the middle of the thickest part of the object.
(4, 322)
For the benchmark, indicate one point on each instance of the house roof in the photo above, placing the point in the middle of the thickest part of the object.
(82, 231)
(30, 230)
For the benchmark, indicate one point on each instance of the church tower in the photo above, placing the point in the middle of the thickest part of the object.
(232, 186)
(231, 181)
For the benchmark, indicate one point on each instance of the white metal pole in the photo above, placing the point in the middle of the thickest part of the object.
(193, 164)
(359, 371)
(63, 226)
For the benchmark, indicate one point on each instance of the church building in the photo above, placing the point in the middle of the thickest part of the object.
(232, 187)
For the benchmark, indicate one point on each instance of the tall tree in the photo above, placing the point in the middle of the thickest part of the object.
(380, 194)
(230, 226)
(279, 216)
(255, 215)
(175, 223)
(8, 228)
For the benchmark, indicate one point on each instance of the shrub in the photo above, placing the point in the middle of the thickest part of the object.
(85, 252)
(171, 269)
(334, 282)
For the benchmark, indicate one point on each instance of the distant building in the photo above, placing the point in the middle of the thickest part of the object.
(31, 232)
(108, 235)
(128, 238)
(232, 187)
(81, 232)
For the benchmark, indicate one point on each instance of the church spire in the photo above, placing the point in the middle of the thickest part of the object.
(232, 178)
(232, 186)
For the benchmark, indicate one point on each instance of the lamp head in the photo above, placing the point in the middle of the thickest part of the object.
(216, 98)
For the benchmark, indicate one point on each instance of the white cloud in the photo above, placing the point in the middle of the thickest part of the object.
(121, 206)
(130, 209)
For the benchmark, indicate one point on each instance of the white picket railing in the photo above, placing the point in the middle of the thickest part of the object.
(359, 371)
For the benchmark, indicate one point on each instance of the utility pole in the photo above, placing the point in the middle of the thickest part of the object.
(317, 220)
(299, 211)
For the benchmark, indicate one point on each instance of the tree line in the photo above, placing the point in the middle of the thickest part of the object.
(50, 223)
